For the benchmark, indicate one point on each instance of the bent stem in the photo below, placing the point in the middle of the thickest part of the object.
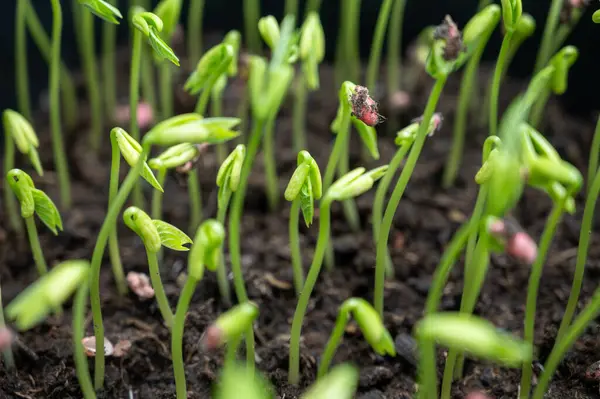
(134, 94)
(537, 111)
(589, 313)
(60, 158)
(195, 197)
(532, 291)
(380, 193)
(334, 341)
(161, 296)
(22, 77)
(495, 88)
(194, 36)
(548, 37)
(107, 226)
(91, 76)
(36, 249)
(221, 269)
(81, 362)
(12, 206)
(390, 210)
(377, 45)
(113, 240)
(177, 336)
(299, 113)
(309, 285)
(109, 37)
(295, 246)
(271, 179)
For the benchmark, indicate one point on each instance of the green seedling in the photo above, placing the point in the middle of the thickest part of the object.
(155, 234)
(194, 32)
(348, 186)
(34, 202)
(312, 6)
(235, 379)
(60, 158)
(377, 43)
(347, 57)
(206, 251)
(109, 42)
(341, 383)
(446, 54)
(228, 181)
(18, 133)
(404, 139)
(251, 16)
(466, 333)
(394, 49)
(168, 11)
(267, 87)
(180, 129)
(369, 323)
(311, 52)
(110, 14)
(232, 38)
(122, 144)
(304, 188)
(477, 33)
(596, 17)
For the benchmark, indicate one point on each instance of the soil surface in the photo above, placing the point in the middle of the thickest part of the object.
(427, 217)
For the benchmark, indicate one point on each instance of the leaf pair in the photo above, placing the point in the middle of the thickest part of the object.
(155, 233)
(131, 150)
(409, 133)
(206, 250)
(511, 13)
(229, 174)
(22, 134)
(268, 28)
(305, 185)
(215, 63)
(175, 156)
(354, 183)
(33, 200)
(268, 87)
(312, 49)
(103, 9)
(151, 26)
(192, 128)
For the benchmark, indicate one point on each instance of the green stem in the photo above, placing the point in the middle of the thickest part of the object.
(380, 193)
(36, 249)
(394, 40)
(42, 41)
(336, 152)
(582, 252)
(202, 102)
(177, 336)
(352, 40)
(217, 110)
(271, 179)
(296, 255)
(107, 226)
(157, 195)
(134, 84)
(109, 39)
(60, 158)
(428, 374)
(475, 219)
(148, 81)
(7, 354)
(309, 285)
(12, 208)
(594, 154)
(81, 361)
(334, 341)
(390, 210)
(546, 46)
(113, 240)
(166, 90)
(377, 45)
(195, 198)
(91, 77)
(235, 217)
(532, 291)
(587, 316)
(495, 88)
(537, 112)
(21, 74)
(231, 351)
(349, 205)
(194, 36)
(291, 7)
(312, 5)
(161, 296)
(222, 270)
(251, 16)
(299, 114)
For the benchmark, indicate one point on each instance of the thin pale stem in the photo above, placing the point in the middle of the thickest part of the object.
(390, 211)
(295, 253)
(113, 240)
(12, 206)
(166, 90)
(148, 82)
(161, 296)
(177, 336)
(157, 195)
(309, 285)
(271, 179)
(332, 344)
(299, 115)
(91, 77)
(496, 81)
(349, 206)
(217, 110)
(222, 280)
(537, 112)
(134, 95)
(22, 77)
(428, 374)
(394, 40)
(36, 248)
(60, 157)
(109, 40)
(231, 351)
(377, 44)
(532, 291)
(594, 154)
(81, 360)
(195, 198)
(548, 37)
(251, 16)
(291, 8)
(313, 5)
(194, 36)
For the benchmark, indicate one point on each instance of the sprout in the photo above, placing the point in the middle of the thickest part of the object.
(269, 30)
(303, 189)
(350, 185)
(511, 13)
(236, 378)
(20, 132)
(311, 49)
(155, 234)
(192, 130)
(206, 251)
(596, 17)
(103, 9)
(34, 201)
(151, 25)
(131, 150)
(340, 383)
(229, 327)
(369, 323)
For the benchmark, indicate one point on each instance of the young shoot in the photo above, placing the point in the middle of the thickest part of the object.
(194, 29)
(446, 54)
(235, 379)
(369, 323)
(205, 251)
(465, 333)
(404, 139)
(351, 185)
(340, 383)
(228, 181)
(103, 9)
(18, 133)
(394, 49)
(34, 202)
(304, 188)
(377, 44)
(155, 234)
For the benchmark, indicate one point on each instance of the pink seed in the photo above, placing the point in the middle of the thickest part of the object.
(522, 247)
(140, 284)
(213, 338)
(6, 338)
(145, 117)
(477, 395)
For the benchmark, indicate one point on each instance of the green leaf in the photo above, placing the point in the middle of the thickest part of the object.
(340, 383)
(162, 49)
(103, 10)
(47, 211)
(236, 320)
(34, 158)
(307, 202)
(206, 249)
(268, 28)
(139, 221)
(22, 186)
(368, 135)
(169, 11)
(296, 182)
(209, 130)
(355, 183)
(371, 325)
(171, 237)
(175, 156)
(131, 150)
(596, 17)
(213, 64)
(224, 193)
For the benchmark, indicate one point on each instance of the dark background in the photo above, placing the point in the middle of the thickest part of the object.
(223, 15)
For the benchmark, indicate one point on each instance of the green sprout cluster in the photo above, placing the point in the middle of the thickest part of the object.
(515, 156)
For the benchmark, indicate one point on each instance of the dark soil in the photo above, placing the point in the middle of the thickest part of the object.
(426, 219)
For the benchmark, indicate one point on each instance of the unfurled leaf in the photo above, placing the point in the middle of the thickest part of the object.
(307, 202)
(103, 9)
(368, 135)
(208, 130)
(47, 211)
(171, 237)
(151, 26)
